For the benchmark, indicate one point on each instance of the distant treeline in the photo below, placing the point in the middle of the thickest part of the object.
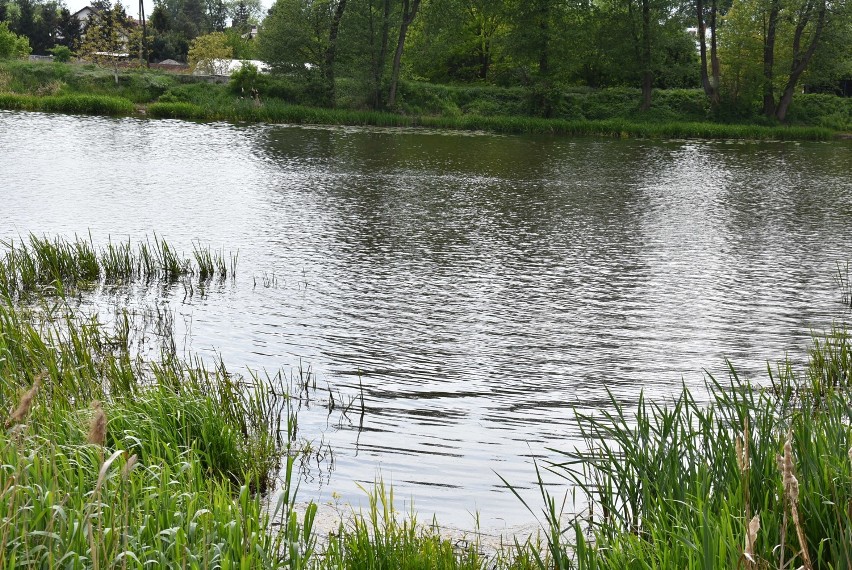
(748, 57)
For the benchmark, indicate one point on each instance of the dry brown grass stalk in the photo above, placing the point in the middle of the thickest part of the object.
(129, 465)
(791, 492)
(751, 537)
(97, 427)
(20, 413)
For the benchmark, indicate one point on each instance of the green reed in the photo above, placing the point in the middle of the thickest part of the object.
(174, 477)
(684, 484)
(110, 460)
(41, 264)
(72, 103)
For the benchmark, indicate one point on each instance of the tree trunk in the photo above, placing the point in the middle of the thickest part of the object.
(714, 55)
(378, 58)
(800, 60)
(409, 11)
(769, 59)
(702, 48)
(647, 73)
(331, 52)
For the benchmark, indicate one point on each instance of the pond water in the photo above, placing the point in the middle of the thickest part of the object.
(475, 287)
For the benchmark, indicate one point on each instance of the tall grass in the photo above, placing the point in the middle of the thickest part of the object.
(277, 112)
(41, 264)
(381, 538)
(74, 103)
(110, 460)
(760, 477)
(164, 468)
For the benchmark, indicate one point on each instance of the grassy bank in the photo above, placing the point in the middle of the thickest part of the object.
(112, 461)
(611, 112)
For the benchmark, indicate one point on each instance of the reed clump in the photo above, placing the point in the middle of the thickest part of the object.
(165, 467)
(758, 477)
(39, 265)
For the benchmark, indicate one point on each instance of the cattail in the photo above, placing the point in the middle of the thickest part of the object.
(791, 490)
(128, 467)
(785, 463)
(22, 411)
(97, 427)
(751, 536)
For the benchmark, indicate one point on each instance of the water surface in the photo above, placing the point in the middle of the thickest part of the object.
(475, 286)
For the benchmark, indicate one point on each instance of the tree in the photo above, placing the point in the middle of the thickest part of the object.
(770, 44)
(459, 39)
(70, 31)
(207, 52)
(109, 35)
(331, 50)
(46, 33)
(293, 35)
(217, 15)
(160, 19)
(709, 80)
(809, 32)
(240, 17)
(409, 12)
(24, 23)
(244, 12)
(11, 44)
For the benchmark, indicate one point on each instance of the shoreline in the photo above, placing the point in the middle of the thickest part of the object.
(110, 106)
(89, 90)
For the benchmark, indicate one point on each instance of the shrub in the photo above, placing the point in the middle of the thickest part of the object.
(11, 44)
(61, 54)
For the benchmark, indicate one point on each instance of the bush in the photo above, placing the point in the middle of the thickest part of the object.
(61, 54)
(247, 82)
(12, 45)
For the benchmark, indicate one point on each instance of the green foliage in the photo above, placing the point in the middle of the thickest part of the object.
(61, 54)
(294, 34)
(83, 104)
(185, 450)
(12, 45)
(247, 82)
(210, 54)
(380, 539)
(110, 38)
(824, 110)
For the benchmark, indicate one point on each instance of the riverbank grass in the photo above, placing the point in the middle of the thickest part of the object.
(759, 478)
(112, 460)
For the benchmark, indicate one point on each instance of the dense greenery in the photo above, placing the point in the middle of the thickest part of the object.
(749, 58)
(759, 478)
(251, 96)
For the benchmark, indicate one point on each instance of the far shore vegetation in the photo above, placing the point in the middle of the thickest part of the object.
(249, 96)
(633, 68)
(118, 451)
